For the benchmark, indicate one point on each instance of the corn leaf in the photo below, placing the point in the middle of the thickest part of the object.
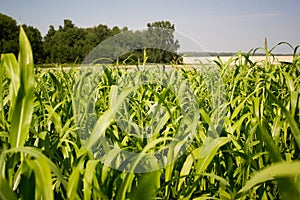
(291, 120)
(6, 193)
(278, 170)
(73, 184)
(23, 107)
(42, 177)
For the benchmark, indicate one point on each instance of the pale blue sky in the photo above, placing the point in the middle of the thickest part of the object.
(217, 25)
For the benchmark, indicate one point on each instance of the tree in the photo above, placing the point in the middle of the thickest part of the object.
(161, 24)
(9, 32)
(65, 44)
(68, 24)
(50, 33)
(160, 35)
(70, 43)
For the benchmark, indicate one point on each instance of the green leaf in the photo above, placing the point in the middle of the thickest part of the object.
(12, 70)
(126, 183)
(202, 157)
(72, 192)
(208, 151)
(42, 177)
(10, 64)
(286, 186)
(289, 82)
(293, 102)
(291, 120)
(23, 108)
(147, 186)
(186, 168)
(88, 178)
(107, 117)
(6, 193)
(278, 170)
(265, 137)
(37, 154)
(90, 181)
(27, 185)
(2, 118)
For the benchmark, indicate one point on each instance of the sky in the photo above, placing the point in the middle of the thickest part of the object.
(210, 25)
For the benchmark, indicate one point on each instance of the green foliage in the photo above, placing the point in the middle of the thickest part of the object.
(8, 35)
(256, 155)
(43, 178)
(23, 105)
(9, 32)
(71, 44)
(154, 45)
(275, 171)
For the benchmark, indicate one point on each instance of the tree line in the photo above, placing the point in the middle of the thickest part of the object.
(70, 44)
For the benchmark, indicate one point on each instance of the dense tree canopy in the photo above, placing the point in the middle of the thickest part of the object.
(8, 34)
(9, 38)
(69, 43)
(162, 33)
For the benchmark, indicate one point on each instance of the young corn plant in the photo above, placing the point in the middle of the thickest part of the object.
(254, 155)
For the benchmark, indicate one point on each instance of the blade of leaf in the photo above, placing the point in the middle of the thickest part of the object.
(73, 184)
(6, 193)
(42, 177)
(37, 154)
(23, 108)
(292, 122)
(278, 170)
(10, 65)
(147, 186)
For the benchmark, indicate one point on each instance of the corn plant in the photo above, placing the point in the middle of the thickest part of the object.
(254, 155)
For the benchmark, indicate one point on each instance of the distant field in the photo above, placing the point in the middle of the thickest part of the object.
(205, 60)
(186, 60)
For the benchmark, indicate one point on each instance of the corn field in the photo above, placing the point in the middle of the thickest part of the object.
(255, 155)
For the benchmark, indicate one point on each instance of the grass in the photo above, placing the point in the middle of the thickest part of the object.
(253, 152)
